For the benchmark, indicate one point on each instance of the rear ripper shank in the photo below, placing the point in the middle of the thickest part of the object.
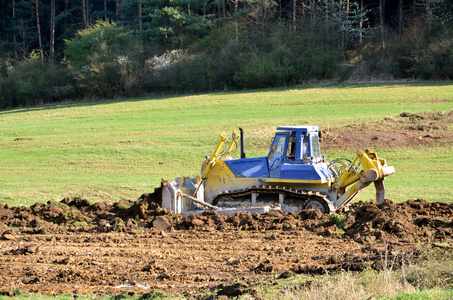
(292, 177)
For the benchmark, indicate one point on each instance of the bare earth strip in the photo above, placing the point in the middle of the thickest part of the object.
(199, 253)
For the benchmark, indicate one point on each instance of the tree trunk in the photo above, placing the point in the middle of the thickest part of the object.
(429, 12)
(84, 15)
(218, 10)
(361, 26)
(303, 9)
(52, 30)
(105, 9)
(294, 14)
(400, 18)
(88, 13)
(38, 25)
(342, 20)
(140, 24)
(327, 20)
(381, 21)
(14, 33)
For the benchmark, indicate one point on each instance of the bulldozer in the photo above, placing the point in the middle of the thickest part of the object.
(292, 177)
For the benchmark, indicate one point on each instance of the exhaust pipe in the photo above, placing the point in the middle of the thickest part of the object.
(242, 142)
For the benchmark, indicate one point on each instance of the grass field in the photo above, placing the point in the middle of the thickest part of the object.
(118, 149)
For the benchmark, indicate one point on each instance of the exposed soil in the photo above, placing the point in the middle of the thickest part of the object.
(76, 247)
(406, 129)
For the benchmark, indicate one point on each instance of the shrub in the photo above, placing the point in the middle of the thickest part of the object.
(338, 220)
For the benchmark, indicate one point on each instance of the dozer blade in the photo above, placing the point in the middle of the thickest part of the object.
(176, 196)
(171, 194)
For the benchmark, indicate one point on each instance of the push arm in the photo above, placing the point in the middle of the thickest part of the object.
(373, 169)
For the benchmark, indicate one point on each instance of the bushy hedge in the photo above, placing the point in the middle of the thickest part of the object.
(424, 52)
(108, 61)
(32, 82)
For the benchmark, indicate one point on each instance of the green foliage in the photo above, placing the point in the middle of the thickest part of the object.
(31, 82)
(102, 42)
(338, 220)
(424, 52)
(80, 224)
(283, 59)
(58, 204)
(123, 206)
(176, 23)
(261, 71)
(103, 58)
(70, 215)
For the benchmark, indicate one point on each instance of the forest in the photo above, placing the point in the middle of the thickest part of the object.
(70, 50)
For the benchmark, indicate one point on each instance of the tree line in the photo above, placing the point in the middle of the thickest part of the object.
(77, 49)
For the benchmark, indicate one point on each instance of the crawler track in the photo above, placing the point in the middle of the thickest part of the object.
(296, 198)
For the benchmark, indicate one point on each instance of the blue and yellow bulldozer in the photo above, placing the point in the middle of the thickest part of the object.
(292, 177)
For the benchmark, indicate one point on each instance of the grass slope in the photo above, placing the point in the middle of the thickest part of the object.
(122, 148)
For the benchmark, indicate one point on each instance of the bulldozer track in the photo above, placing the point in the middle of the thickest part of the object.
(303, 195)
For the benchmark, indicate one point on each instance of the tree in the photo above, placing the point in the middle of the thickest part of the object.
(172, 23)
(38, 26)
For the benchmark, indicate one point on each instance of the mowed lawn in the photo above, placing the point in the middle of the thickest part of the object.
(116, 149)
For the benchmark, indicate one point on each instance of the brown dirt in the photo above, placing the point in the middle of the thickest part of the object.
(77, 247)
(406, 129)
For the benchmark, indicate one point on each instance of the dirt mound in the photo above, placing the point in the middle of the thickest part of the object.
(406, 129)
(411, 220)
(74, 246)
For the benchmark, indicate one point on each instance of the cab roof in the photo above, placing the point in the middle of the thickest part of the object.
(299, 128)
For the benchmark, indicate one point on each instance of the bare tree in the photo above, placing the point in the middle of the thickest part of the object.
(88, 13)
(38, 25)
(140, 25)
(23, 44)
(84, 13)
(400, 17)
(381, 21)
(52, 30)
(361, 25)
(14, 34)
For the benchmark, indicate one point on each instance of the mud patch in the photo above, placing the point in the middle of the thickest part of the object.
(406, 129)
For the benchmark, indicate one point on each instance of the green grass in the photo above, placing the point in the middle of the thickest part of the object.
(122, 148)
(429, 278)
(423, 295)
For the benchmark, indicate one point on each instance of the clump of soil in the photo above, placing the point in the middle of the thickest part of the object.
(406, 129)
(412, 220)
(74, 246)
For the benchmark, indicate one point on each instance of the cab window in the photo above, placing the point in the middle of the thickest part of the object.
(315, 148)
(276, 152)
(291, 149)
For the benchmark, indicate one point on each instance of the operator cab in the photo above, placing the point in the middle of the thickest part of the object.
(296, 144)
(293, 147)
